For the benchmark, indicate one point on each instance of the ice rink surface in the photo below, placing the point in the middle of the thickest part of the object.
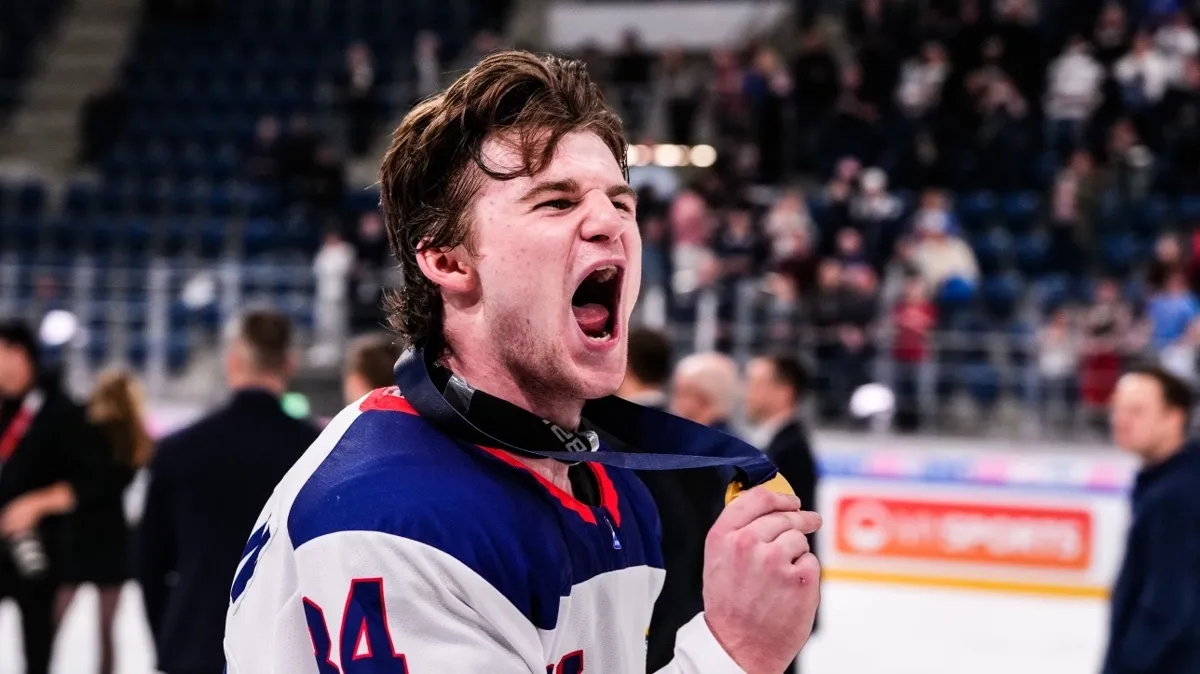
(864, 629)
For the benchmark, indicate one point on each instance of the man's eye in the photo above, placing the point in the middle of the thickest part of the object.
(623, 206)
(556, 204)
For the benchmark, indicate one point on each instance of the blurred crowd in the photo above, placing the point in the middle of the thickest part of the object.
(974, 196)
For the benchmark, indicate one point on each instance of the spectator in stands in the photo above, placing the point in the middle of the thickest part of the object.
(1073, 92)
(297, 157)
(680, 86)
(427, 63)
(705, 389)
(850, 248)
(921, 81)
(738, 245)
(1143, 75)
(854, 128)
(768, 92)
(815, 74)
(1107, 328)
(1171, 311)
(780, 314)
(1156, 598)
(1130, 169)
(729, 109)
(1001, 139)
(208, 485)
(1058, 353)
(655, 297)
(262, 162)
(914, 318)
(632, 70)
(1181, 110)
(1179, 357)
(1073, 200)
(876, 214)
(839, 193)
(325, 190)
(360, 93)
(790, 229)
(1168, 257)
(101, 121)
(939, 255)
(371, 272)
(98, 536)
(331, 267)
(1111, 37)
(1177, 40)
(369, 365)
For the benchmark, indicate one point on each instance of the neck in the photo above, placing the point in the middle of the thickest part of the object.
(779, 417)
(1165, 451)
(273, 384)
(487, 375)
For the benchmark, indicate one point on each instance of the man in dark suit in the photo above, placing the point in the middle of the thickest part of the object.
(774, 387)
(48, 466)
(1154, 624)
(208, 484)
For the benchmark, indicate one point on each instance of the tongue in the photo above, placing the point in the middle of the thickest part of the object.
(591, 318)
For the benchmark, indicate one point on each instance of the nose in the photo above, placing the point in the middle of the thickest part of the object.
(601, 219)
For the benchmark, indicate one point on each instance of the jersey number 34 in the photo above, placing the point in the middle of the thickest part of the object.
(364, 642)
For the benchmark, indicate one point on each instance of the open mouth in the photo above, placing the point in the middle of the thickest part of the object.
(594, 303)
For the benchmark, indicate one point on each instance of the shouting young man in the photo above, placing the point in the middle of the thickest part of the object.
(401, 542)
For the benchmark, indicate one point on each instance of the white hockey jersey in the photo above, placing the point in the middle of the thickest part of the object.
(393, 548)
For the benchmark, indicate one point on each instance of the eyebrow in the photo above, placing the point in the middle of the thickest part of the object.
(570, 185)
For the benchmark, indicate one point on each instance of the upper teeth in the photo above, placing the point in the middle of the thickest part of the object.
(604, 274)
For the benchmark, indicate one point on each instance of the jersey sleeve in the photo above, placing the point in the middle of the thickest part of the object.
(697, 652)
(409, 608)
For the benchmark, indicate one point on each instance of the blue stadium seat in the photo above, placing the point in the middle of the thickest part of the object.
(1118, 251)
(1150, 216)
(977, 210)
(214, 234)
(81, 199)
(983, 383)
(991, 250)
(1189, 210)
(1021, 210)
(31, 199)
(1000, 295)
(1031, 252)
(178, 350)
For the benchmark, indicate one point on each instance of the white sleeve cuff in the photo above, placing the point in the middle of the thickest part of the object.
(698, 652)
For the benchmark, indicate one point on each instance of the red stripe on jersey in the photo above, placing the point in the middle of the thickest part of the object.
(566, 499)
(386, 399)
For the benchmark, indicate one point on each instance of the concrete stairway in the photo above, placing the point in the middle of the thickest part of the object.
(80, 57)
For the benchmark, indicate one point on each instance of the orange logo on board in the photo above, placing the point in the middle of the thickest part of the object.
(964, 532)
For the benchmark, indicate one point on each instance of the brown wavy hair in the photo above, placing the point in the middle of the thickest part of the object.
(434, 167)
(116, 407)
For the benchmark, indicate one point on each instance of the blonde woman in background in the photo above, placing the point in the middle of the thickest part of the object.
(98, 537)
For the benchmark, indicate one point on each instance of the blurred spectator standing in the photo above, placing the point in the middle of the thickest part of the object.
(876, 214)
(1168, 257)
(680, 87)
(1073, 92)
(1108, 323)
(1152, 624)
(428, 64)
(632, 70)
(1073, 201)
(326, 187)
(914, 318)
(369, 364)
(1059, 347)
(768, 93)
(261, 165)
(101, 121)
(332, 267)
(208, 484)
(1143, 75)
(372, 271)
(1171, 311)
(815, 79)
(360, 92)
(1177, 40)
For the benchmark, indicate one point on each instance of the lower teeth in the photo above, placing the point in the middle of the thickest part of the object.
(600, 337)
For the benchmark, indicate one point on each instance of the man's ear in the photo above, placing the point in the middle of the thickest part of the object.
(448, 268)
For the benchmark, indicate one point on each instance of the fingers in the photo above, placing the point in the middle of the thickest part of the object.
(751, 505)
(787, 549)
(770, 526)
